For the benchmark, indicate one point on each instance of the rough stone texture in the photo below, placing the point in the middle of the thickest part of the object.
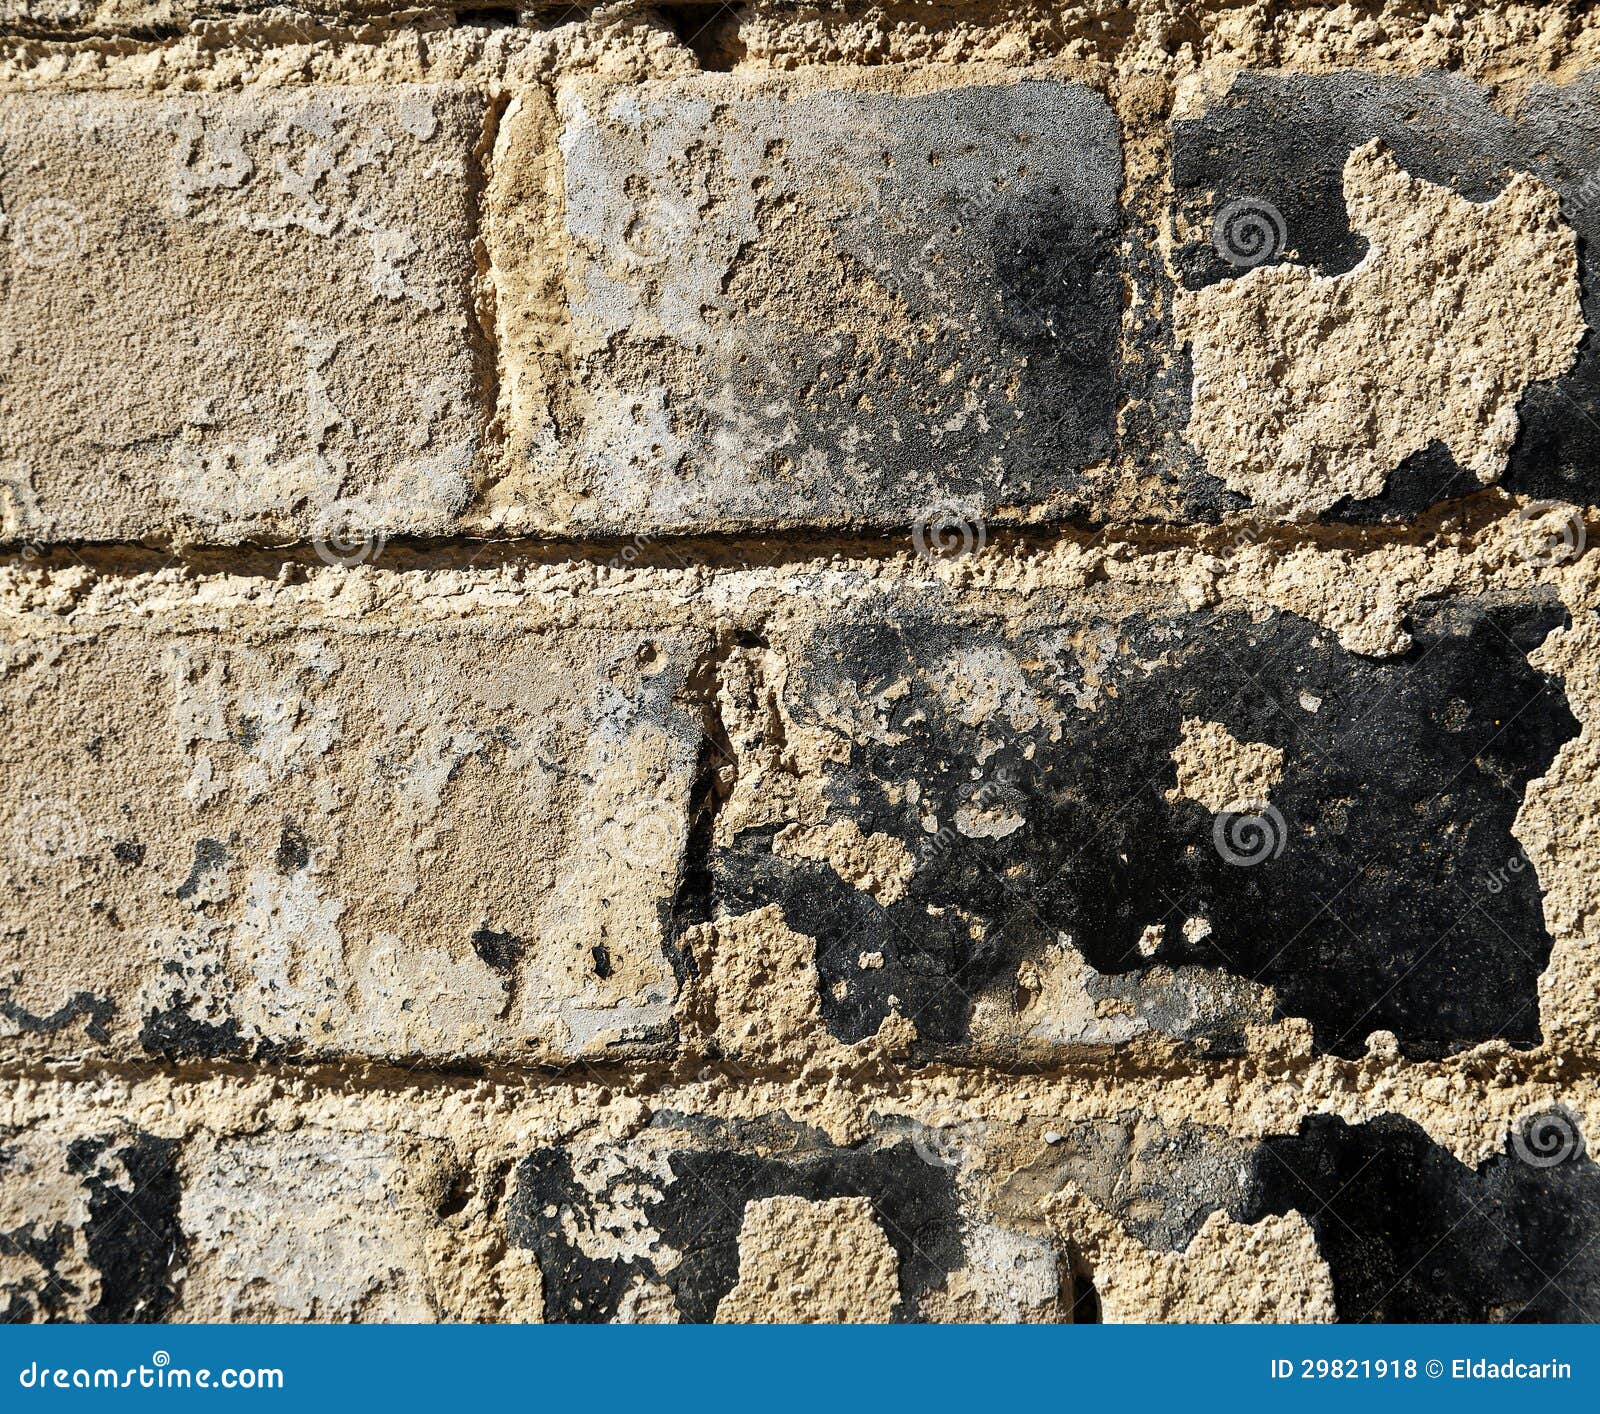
(240, 315)
(1068, 887)
(787, 303)
(430, 842)
(1309, 390)
(1267, 160)
(1062, 829)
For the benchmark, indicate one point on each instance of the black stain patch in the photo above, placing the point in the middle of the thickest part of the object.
(699, 1214)
(502, 951)
(1283, 140)
(173, 1034)
(1384, 890)
(95, 1013)
(209, 856)
(133, 1233)
(128, 853)
(546, 1198)
(1422, 480)
(294, 850)
(1412, 1234)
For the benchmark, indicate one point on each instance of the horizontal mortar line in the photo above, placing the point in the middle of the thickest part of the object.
(876, 1080)
(763, 548)
(536, 17)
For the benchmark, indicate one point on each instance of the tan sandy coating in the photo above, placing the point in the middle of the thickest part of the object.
(730, 667)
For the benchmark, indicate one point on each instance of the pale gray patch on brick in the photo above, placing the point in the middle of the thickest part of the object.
(238, 315)
(837, 306)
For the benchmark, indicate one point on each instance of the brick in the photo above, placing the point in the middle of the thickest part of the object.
(433, 843)
(710, 1221)
(1111, 824)
(354, 1231)
(237, 315)
(89, 1225)
(1412, 1234)
(1268, 157)
(101, 1221)
(786, 303)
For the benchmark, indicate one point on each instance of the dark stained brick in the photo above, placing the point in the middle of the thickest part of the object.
(1283, 140)
(1382, 888)
(1412, 1234)
(792, 305)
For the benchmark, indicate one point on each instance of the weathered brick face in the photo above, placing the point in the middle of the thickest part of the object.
(1045, 797)
(849, 667)
(795, 304)
(416, 842)
(238, 315)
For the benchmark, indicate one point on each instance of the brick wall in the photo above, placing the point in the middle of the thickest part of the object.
(925, 662)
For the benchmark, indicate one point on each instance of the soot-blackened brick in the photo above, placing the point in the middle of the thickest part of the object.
(697, 1203)
(108, 1203)
(1410, 1233)
(133, 1233)
(1382, 888)
(1283, 140)
(795, 306)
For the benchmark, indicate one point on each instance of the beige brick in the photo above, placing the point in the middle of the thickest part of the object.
(461, 841)
(236, 315)
(318, 1225)
(743, 300)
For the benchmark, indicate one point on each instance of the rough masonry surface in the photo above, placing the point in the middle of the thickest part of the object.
(921, 663)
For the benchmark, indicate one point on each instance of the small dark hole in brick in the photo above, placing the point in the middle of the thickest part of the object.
(490, 17)
(458, 1194)
(1085, 1300)
(710, 31)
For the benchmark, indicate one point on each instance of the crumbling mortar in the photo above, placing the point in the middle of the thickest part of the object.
(714, 551)
(485, 326)
(1143, 37)
(869, 1077)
